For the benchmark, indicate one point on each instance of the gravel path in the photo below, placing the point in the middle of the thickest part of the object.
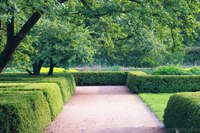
(104, 109)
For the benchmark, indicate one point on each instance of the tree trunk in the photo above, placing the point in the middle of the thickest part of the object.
(36, 67)
(51, 67)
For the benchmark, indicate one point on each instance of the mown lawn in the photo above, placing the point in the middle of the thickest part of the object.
(156, 102)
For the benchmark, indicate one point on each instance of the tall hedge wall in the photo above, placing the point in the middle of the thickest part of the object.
(23, 112)
(100, 78)
(50, 90)
(183, 113)
(162, 84)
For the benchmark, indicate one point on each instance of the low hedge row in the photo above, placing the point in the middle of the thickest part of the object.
(162, 84)
(183, 113)
(23, 112)
(50, 90)
(65, 81)
(100, 78)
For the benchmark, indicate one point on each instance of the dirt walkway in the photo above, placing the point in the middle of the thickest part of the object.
(104, 109)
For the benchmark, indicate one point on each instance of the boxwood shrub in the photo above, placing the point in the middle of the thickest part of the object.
(162, 84)
(183, 113)
(50, 90)
(65, 81)
(100, 78)
(23, 112)
(171, 70)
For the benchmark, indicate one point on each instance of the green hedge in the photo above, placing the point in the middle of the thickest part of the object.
(100, 78)
(50, 90)
(162, 84)
(171, 70)
(23, 112)
(183, 112)
(70, 81)
(65, 81)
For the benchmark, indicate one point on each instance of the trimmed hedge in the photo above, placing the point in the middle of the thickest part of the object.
(70, 81)
(23, 112)
(183, 112)
(162, 84)
(65, 81)
(100, 78)
(50, 90)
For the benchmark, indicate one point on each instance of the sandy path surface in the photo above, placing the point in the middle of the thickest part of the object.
(104, 109)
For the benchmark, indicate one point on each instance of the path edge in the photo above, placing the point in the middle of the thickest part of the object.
(153, 116)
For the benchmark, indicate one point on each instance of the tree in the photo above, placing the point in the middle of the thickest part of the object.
(30, 11)
(60, 44)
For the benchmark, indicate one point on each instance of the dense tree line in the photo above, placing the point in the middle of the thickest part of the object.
(139, 33)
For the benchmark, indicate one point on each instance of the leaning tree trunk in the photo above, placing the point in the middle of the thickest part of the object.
(51, 67)
(14, 40)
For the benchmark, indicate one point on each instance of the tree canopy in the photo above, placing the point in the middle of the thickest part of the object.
(138, 33)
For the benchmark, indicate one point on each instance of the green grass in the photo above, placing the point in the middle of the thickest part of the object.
(156, 102)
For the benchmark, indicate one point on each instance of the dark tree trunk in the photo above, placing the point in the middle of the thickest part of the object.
(36, 67)
(40, 63)
(14, 41)
(51, 67)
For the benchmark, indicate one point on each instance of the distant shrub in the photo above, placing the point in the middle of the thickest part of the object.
(13, 70)
(146, 70)
(71, 70)
(171, 70)
(195, 70)
(183, 113)
(115, 68)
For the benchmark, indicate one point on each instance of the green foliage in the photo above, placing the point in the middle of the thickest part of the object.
(171, 70)
(13, 70)
(70, 82)
(156, 102)
(23, 112)
(62, 41)
(192, 56)
(100, 78)
(183, 113)
(147, 33)
(116, 68)
(195, 70)
(65, 81)
(162, 84)
(50, 90)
